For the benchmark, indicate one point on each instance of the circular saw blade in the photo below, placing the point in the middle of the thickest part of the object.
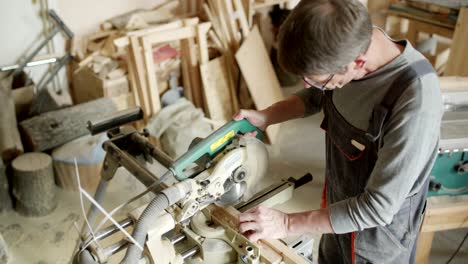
(254, 165)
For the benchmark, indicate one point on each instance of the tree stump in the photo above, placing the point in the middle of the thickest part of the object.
(89, 157)
(5, 199)
(10, 140)
(33, 184)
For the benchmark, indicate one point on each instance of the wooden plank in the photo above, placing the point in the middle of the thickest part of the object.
(433, 29)
(232, 69)
(194, 74)
(249, 11)
(424, 247)
(228, 14)
(216, 89)
(269, 249)
(193, 66)
(404, 11)
(212, 35)
(135, 55)
(457, 63)
(260, 76)
(202, 33)
(176, 34)
(453, 83)
(132, 78)
(244, 24)
(415, 27)
(10, 140)
(288, 255)
(445, 217)
(218, 32)
(124, 41)
(185, 64)
(152, 82)
(219, 14)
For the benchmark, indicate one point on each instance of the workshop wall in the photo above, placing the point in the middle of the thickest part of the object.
(21, 26)
(84, 16)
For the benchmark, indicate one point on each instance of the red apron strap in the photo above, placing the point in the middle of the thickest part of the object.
(353, 256)
(323, 204)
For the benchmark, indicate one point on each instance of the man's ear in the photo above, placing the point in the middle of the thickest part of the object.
(360, 61)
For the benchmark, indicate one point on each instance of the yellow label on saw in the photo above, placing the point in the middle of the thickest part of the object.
(222, 140)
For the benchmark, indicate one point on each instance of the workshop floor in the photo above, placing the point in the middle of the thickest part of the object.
(52, 239)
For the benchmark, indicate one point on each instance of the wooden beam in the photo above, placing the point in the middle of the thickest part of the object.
(457, 63)
(10, 141)
(242, 17)
(185, 64)
(193, 67)
(124, 41)
(132, 77)
(453, 83)
(271, 250)
(424, 247)
(136, 57)
(227, 8)
(249, 11)
(151, 80)
(220, 15)
(178, 33)
(218, 32)
(445, 216)
(202, 44)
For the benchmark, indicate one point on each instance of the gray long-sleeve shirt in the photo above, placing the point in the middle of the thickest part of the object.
(410, 140)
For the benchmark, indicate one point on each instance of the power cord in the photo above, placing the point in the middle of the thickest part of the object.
(458, 249)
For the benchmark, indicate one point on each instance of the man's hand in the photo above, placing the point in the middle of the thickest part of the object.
(263, 223)
(256, 118)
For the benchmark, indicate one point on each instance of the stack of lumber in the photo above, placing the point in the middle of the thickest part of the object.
(213, 45)
(99, 76)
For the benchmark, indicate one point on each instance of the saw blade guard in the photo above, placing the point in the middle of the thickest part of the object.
(243, 183)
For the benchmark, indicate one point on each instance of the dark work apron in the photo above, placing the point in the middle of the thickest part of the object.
(351, 154)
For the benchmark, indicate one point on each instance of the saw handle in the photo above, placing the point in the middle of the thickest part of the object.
(212, 145)
(301, 181)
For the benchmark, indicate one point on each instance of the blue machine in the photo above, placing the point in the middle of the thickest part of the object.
(449, 175)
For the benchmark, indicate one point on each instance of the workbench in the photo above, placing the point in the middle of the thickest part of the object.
(447, 207)
(442, 213)
(423, 22)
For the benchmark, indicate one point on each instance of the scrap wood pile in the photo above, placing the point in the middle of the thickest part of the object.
(35, 147)
(213, 49)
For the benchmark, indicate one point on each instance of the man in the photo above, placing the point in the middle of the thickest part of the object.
(382, 130)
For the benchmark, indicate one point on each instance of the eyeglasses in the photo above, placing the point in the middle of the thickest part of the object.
(322, 87)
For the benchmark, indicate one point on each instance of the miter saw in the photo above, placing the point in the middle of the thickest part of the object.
(185, 222)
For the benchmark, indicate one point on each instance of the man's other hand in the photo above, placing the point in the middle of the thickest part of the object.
(263, 223)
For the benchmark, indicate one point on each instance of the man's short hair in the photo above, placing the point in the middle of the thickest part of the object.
(323, 36)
